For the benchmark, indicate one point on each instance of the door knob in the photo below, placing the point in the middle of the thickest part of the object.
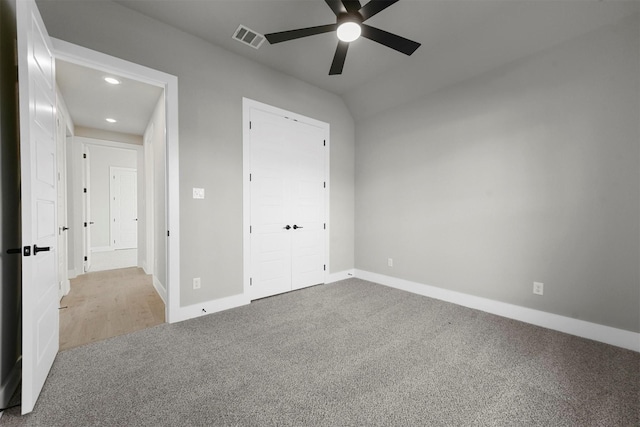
(287, 227)
(65, 228)
(295, 227)
(36, 249)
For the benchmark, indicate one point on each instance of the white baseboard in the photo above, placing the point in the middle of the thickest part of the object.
(9, 386)
(143, 265)
(209, 307)
(160, 289)
(102, 249)
(341, 275)
(593, 331)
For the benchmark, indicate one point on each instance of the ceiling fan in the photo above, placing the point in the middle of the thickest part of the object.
(350, 17)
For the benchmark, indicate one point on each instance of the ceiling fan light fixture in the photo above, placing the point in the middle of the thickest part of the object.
(349, 31)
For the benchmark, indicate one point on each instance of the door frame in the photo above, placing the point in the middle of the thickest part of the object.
(90, 58)
(64, 129)
(247, 106)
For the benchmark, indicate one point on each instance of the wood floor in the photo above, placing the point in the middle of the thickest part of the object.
(106, 304)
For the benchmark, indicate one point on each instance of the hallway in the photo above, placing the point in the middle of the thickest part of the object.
(106, 304)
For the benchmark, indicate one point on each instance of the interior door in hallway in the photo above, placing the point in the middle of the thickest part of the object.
(287, 204)
(123, 203)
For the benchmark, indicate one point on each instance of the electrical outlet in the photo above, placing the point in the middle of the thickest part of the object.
(538, 288)
(390, 262)
(196, 283)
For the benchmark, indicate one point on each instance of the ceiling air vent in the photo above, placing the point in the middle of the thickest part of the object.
(248, 37)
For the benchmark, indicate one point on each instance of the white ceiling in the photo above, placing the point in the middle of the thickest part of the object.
(91, 100)
(460, 38)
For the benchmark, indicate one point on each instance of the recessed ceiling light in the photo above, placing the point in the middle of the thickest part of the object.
(110, 120)
(112, 81)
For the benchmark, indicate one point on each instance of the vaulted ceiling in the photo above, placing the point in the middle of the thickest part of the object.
(460, 39)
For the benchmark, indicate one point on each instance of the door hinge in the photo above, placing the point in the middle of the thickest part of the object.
(249, 177)
(84, 190)
(167, 233)
(249, 124)
(324, 143)
(325, 267)
(250, 229)
(86, 259)
(250, 281)
(84, 155)
(85, 224)
(324, 184)
(325, 225)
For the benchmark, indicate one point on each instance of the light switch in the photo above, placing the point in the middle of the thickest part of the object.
(198, 193)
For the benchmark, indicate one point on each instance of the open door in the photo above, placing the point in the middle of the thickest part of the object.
(36, 74)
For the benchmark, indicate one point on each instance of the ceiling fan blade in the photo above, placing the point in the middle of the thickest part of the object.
(284, 36)
(338, 59)
(393, 41)
(337, 6)
(375, 6)
(352, 5)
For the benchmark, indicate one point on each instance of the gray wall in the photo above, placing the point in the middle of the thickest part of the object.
(527, 173)
(10, 235)
(211, 84)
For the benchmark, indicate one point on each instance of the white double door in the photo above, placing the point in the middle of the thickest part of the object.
(287, 204)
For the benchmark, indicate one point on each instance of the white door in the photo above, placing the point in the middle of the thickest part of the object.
(36, 71)
(61, 157)
(270, 199)
(287, 204)
(86, 211)
(123, 205)
(307, 205)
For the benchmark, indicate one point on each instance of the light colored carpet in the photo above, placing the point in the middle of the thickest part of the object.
(351, 353)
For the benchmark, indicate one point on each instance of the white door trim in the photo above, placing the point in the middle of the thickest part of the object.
(247, 106)
(91, 58)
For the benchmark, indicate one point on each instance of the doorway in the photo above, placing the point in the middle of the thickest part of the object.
(113, 288)
(120, 279)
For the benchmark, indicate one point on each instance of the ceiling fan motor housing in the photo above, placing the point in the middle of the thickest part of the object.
(349, 17)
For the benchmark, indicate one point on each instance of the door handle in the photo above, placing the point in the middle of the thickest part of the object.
(91, 222)
(295, 227)
(287, 227)
(14, 251)
(36, 249)
(65, 228)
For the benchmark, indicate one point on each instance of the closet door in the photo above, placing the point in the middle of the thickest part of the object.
(307, 205)
(287, 204)
(270, 205)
